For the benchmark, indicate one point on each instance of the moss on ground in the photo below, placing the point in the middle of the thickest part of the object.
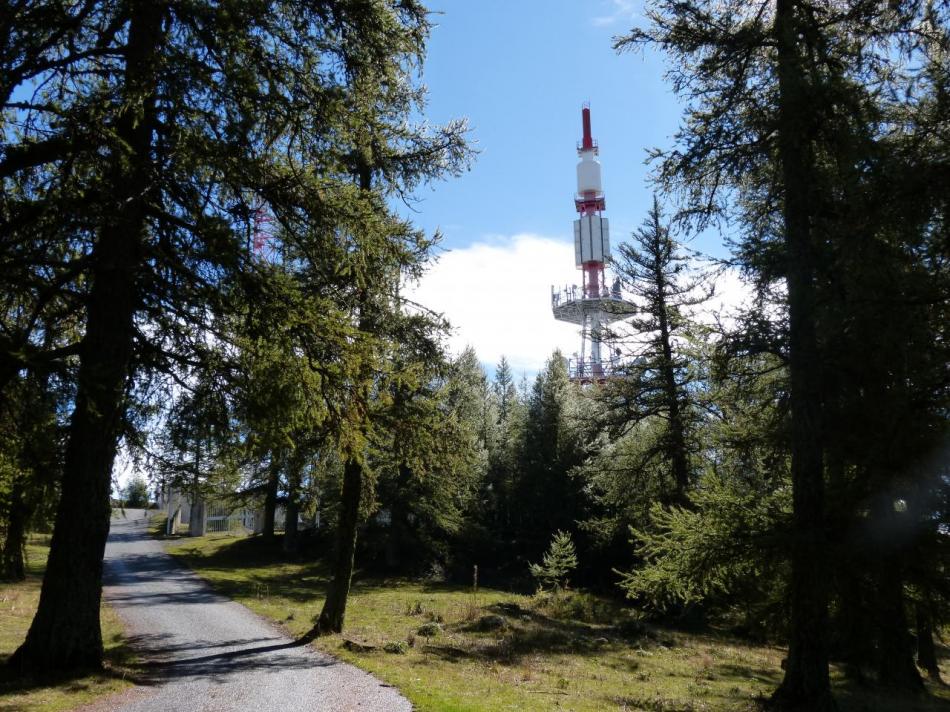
(572, 652)
(18, 603)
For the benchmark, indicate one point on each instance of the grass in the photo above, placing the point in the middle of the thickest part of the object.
(571, 652)
(17, 605)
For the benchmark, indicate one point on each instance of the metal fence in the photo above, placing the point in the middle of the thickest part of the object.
(222, 518)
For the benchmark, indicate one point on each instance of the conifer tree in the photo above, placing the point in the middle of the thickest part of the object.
(200, 119)
(558, 562)
(780, 132)
(505, 391)
(431, 457)
(653, 392)
(548, 497)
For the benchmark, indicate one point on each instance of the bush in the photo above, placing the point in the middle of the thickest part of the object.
(397, 647)
(429, 630)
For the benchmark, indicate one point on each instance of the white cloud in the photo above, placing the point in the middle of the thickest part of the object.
(497, 295)
(731, 293)
(620, 11)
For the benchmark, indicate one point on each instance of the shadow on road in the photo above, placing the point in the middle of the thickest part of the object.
(152, 579)
(166, 661)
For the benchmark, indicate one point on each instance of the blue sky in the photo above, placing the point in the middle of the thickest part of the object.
(520, 71)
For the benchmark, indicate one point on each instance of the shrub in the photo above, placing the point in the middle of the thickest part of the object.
(429, 630)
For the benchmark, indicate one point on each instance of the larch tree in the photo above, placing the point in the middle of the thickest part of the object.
(32, 428)
(176, 126)
(65, 632)
(430, 454)
(769, 88)
(389, 158)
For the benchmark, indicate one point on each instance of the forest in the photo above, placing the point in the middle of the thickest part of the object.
(202, 268)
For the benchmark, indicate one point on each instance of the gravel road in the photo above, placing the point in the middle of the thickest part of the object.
(205, 652)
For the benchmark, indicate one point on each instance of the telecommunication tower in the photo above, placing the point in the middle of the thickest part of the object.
(594, 305)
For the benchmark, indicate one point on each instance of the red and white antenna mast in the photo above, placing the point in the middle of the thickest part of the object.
(595, 305)
(263, 238)
(591, 232)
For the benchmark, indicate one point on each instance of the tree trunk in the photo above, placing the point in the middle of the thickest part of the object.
(291, 540)
(65, 633)
(677, 434)
(926, 651)
(197, 519)
(806, 685)
(397, 533)
(334, 608)
(270, 501)
(856, 645)
(895, 666)
(13, 568)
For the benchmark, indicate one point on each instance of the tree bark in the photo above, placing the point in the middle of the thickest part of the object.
(13, 568)
(806, 685)
(270, 501)
(65, 633)
(895, 664)
(856, 645)
(334, 608)
(926, 651)
(677, 434)
(397, 533)
(291, 540)
(896, 668)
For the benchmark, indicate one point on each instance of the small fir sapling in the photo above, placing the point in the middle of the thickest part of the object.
(558, 562)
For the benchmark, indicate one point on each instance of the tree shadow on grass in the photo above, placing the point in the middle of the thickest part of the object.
(516, 633)
(854, 697)
(743, 673)
(119, 664)
(254, 567)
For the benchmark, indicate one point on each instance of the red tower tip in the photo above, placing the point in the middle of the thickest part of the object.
(588, 142)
